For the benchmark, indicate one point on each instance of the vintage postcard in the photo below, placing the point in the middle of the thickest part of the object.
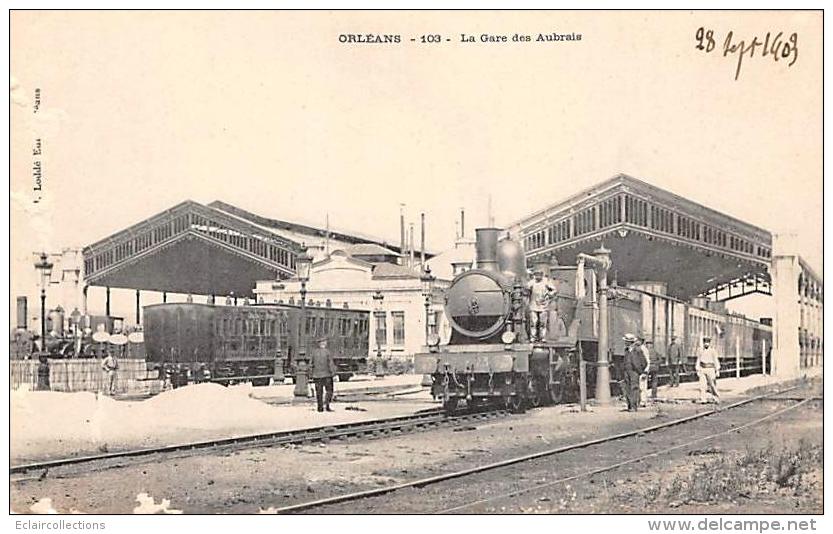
(417, 262)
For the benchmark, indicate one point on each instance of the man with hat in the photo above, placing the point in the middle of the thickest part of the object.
(110, 366)
(541, 292)
(675, 359)
(653, 369)
(633, 366)
(647, 353)
(323, 370)
(708, 369)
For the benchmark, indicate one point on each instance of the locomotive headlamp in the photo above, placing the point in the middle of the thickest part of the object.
(508, 337)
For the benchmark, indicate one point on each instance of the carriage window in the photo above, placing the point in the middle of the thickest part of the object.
(263, 326)
(238, 326)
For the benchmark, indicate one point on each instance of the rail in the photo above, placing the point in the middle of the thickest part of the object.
(420, 483)
(427, 419)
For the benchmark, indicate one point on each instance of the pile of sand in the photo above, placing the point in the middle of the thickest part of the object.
(47, 423)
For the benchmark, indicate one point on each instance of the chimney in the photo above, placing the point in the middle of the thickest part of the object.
(402, 232)
(411, 247)
(462, 223)
(422, 241)
(486, 248)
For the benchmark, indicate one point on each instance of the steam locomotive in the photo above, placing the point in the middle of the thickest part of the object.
(191, 342)
(489, 359)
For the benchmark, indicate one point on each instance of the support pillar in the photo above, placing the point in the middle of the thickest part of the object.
(164, 296)
(138, 307)
(107, 303)
(784, 273)
(84, 299)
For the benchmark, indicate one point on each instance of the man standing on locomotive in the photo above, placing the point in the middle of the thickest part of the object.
(323, 371)
(541, 292)
(633, 366)
(708, 369)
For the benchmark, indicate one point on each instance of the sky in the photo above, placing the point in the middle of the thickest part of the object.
(268, 111)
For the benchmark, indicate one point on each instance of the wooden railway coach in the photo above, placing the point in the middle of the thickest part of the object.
(189, 342)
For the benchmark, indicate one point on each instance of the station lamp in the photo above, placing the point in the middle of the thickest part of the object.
(44, 267)
(303, 262)
(378, 298)
(427, 280)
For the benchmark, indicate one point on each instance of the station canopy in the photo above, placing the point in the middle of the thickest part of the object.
(653, 235)
(214, 249)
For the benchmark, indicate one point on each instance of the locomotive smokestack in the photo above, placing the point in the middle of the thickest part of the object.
(486, 247)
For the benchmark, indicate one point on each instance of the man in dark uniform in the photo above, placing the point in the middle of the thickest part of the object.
(633, 365)
(675, 358)
(323, 370)
(653, 369)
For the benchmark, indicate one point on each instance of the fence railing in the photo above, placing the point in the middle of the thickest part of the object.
(84, 375)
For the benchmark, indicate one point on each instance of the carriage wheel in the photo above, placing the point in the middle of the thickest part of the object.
(537, 393)
(557, 391)
(344, 377)
(516, 403)
(450, 404)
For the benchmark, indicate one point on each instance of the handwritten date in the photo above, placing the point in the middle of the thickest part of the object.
(775, 47)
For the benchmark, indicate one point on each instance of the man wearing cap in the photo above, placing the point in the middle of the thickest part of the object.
(541, 291)
(110, 367)
(708, 368)
(675, 358)
(643, 374)
(323, 370)
(653, 368)
(633, 365)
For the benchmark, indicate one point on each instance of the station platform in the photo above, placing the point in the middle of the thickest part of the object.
(394, 385)
(729, 387)
(50, 424)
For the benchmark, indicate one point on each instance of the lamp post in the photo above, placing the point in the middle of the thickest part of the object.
(44, 267)
(302, 266)
(378, 298)
(427, 291)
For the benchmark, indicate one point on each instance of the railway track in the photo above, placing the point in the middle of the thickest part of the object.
(421, 483)
(423, 420)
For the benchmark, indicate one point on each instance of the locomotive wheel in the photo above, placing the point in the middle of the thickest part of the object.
(557, 392)
(536, 400)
